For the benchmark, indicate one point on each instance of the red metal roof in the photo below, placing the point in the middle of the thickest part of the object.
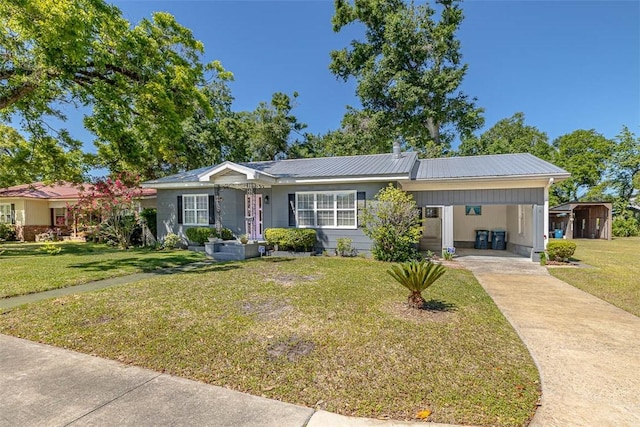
(65, 190)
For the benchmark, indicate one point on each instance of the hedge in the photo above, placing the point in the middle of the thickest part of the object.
(200, 235)
(560, 250)
(294, 239)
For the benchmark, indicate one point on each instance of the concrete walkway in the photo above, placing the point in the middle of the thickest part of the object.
(587, 350)
(7, 303)
(41, 385)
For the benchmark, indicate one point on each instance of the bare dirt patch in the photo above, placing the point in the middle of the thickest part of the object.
(293, 348)
(267, 309)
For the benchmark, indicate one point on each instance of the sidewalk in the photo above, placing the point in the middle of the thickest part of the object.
(41, 385)
(7, 303)
(587, 350)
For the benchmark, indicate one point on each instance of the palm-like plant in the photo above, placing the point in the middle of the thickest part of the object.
(416, 276)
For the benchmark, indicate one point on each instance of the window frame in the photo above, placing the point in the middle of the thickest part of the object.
(195, 209)
(56, 216)
(8, 216)
(334, 209)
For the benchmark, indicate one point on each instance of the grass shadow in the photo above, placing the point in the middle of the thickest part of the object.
(144, 264)
(439, 305)
(275, 259)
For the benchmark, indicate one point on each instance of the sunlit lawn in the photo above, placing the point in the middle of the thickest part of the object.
(616, 276)
(26, 269)
(327, 332)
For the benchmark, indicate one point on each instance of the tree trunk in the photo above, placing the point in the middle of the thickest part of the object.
(416, 301)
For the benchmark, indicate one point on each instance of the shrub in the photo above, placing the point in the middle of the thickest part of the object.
(7, 232)
(392, 222)
(171, 241)
(625, 226)
(560, 250)
(226, 234)
(51, 248)
(200, 235)
(295, 239)
(416, 276)
(150, 218)
(345, 248)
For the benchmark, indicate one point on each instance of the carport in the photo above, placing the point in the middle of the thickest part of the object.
(581, 220)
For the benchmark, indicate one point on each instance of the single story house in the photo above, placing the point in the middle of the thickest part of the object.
(38, 207)
(581, 220)
(456, 196)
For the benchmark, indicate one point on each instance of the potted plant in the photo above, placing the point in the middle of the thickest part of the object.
(244, 239)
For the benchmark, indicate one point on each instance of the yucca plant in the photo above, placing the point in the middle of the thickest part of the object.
(416, 276)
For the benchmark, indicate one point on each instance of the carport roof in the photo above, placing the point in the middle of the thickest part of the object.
(497, 165)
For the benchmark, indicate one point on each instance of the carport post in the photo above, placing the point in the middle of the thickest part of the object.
(539, 231)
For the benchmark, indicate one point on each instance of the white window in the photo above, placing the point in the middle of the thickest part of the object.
(195, 209)
(326, 209)
(59, 217)
(5, 213)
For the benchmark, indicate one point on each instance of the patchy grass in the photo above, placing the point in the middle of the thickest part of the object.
(328, 332)
(616, 276)
(27, 269)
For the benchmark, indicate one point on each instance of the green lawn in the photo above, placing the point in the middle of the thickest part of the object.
(26, 269)
(328, 332)
(616, 276)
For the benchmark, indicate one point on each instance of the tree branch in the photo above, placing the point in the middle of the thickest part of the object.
(16, 94)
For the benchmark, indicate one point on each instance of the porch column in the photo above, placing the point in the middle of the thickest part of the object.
(538, 231)
(447, 226)
(546, 213)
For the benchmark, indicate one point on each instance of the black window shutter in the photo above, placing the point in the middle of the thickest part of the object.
(212, 209)
(13, 213)
(292, 209)
(179, 209)
(53, 217)
(362, 200)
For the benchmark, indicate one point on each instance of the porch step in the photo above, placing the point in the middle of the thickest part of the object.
(225, 256)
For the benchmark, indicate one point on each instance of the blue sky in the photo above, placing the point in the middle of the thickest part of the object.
(567, 65)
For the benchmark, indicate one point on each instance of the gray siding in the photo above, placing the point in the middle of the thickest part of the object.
(327, 237)
(232, 210)
(508, 196)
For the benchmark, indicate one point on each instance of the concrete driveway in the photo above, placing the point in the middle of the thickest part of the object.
(587, 350)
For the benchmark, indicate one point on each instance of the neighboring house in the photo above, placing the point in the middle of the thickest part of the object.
(581, 220)
(36, 208)
(456, 197)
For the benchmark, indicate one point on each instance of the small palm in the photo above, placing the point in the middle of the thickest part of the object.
(416, 276)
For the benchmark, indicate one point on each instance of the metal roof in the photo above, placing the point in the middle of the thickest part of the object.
(497, 165)
(387, 165)
(344, 166)
(323, 167)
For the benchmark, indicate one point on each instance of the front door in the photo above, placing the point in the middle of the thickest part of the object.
(254, 216)
(431, 229)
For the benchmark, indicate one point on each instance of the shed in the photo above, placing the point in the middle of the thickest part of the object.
(581, 220)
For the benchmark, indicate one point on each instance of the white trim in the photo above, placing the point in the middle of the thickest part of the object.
(335, 209)
(184, 209)
(251, 174)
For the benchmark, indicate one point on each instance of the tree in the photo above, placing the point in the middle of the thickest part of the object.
(408, 68)
(23, 161)
(270, 127)
(392, 222)
(110, 202)
(585, 154)
(416, 276)
(508, 136)
(361, 133)
(625, 170)
(141, 83)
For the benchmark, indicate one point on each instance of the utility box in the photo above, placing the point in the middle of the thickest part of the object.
(482, 239)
